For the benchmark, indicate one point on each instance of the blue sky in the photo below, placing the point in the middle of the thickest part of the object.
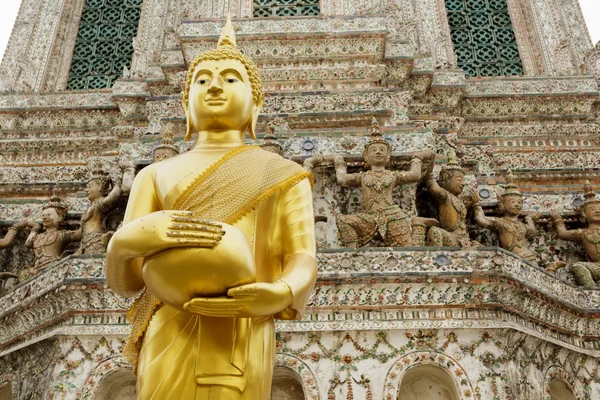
(10, 8)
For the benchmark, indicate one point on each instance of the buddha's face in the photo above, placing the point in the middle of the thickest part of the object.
(456, 183)
(50, 218)
(592, 212)
(513, 204)
(163, 154)
(220, 96)
(377, 155)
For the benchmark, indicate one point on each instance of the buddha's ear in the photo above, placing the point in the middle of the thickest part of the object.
(188, 124)
(253, 120)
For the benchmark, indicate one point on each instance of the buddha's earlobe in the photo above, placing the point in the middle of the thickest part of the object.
(188, 123)
(253, 120)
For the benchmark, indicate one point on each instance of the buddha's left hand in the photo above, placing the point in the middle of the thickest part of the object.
(253, 300)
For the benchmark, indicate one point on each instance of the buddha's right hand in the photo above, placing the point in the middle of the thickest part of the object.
(162, 230)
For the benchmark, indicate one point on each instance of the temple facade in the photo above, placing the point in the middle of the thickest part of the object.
(450, 291)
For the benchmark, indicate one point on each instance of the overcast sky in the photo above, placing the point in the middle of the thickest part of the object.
(10, 8)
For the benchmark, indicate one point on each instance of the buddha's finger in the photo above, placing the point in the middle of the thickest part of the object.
(229, 314)
(187, 242)
(242, 292)
(183, 213)
(197, 227)
(194, 220)
(195, 235)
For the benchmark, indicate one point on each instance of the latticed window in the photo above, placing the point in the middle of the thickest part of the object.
(483, 37)
(285, 8)
(104, 43)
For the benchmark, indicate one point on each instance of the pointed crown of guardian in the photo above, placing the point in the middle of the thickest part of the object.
(56, 202)
(376, 137)
(511, 189)
(451, 167)
(589, 196)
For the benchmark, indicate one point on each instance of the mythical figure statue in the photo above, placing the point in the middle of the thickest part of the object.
(222, 239)
(48, 246)
(513, 234)
(94, 236)
(271, 144)
(7, 241)
(382, 217)
(452, 206)
(165, 150)
(585, 273)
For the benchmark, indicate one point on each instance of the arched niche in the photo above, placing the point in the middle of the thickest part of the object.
(409, 366)
(286, 385)
(289, 364)
(6, 392)
(560, 390)
(118, 385)
(427, 382)
(560, 385)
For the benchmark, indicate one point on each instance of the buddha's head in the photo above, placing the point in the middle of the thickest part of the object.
(223, 90)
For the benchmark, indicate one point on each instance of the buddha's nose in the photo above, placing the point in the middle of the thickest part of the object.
(215, 84)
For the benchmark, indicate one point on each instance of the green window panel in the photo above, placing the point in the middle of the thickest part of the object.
(285, 8)
(104, 44)
(483, 38)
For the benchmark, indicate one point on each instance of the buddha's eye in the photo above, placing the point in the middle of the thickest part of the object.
(202, 81)
(230, 80)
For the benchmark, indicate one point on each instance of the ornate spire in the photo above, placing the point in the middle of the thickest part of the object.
(228, 34)
(511, 189)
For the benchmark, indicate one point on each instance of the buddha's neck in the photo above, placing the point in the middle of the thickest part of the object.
(219, 139)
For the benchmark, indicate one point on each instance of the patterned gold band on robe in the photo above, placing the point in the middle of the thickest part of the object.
(245, 176)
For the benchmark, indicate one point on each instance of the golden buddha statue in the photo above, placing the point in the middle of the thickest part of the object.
(220, 240)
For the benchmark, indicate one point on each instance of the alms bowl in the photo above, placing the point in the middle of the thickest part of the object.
(175, 276)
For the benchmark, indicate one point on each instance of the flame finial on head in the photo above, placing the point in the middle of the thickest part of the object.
(228, 34)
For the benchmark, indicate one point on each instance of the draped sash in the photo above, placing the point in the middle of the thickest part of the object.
(226, 191)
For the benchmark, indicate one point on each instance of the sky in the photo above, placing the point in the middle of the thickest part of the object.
(10, 8)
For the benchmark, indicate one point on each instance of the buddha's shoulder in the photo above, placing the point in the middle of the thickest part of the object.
(270, 158)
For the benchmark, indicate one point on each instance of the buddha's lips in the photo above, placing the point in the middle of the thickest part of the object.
(215, 99)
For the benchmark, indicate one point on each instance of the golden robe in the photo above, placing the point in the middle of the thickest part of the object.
(278, 222)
